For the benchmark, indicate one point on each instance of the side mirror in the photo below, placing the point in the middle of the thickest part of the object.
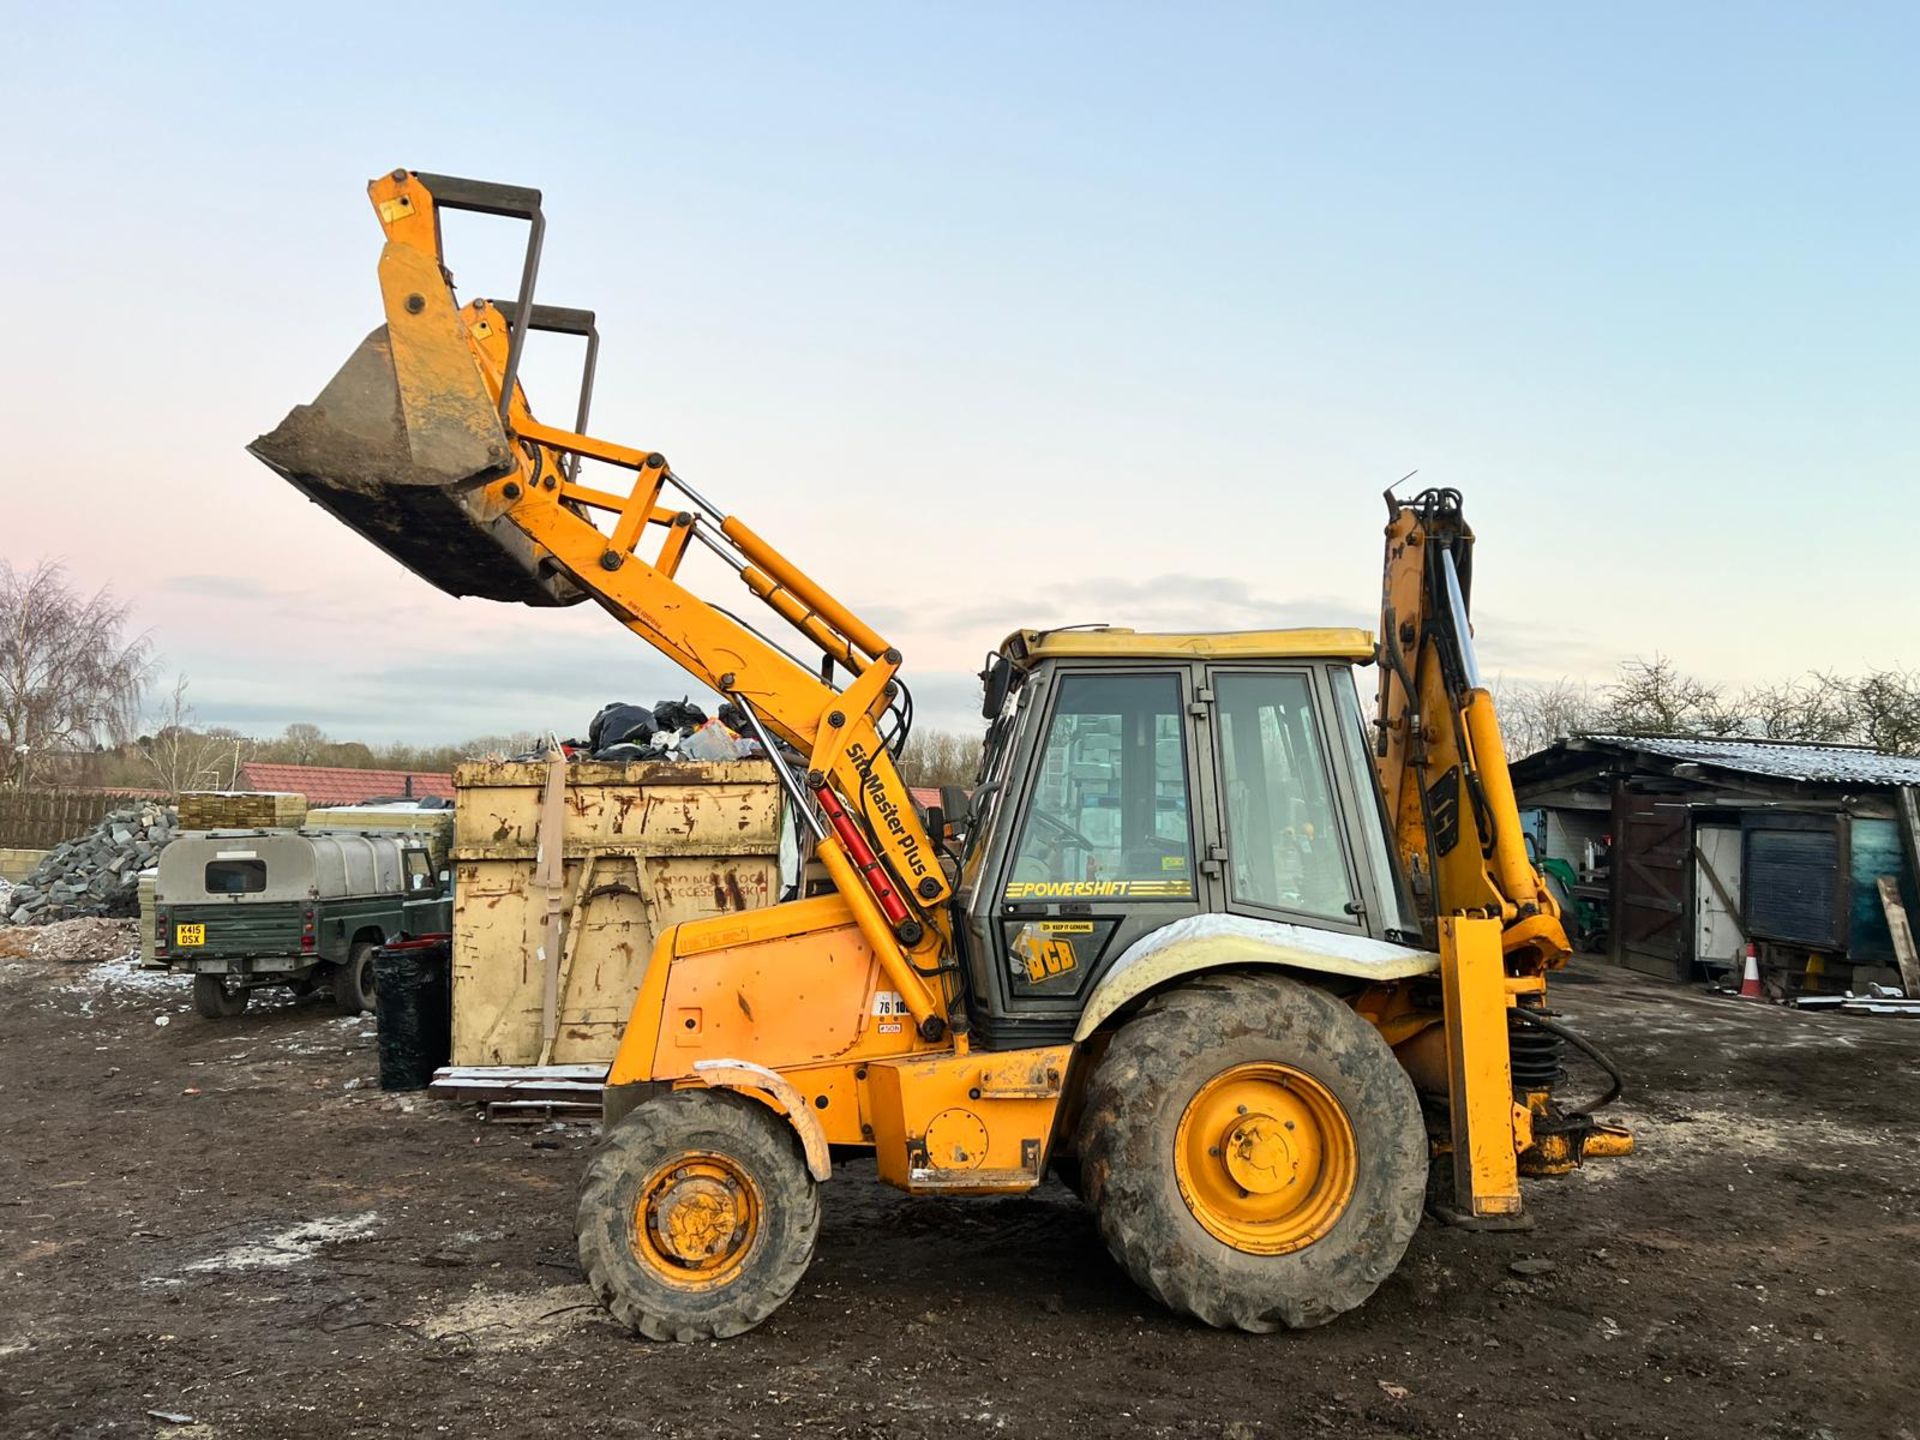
(997, 679)
(958, 806)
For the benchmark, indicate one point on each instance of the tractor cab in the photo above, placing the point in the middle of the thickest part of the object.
(1135, 781)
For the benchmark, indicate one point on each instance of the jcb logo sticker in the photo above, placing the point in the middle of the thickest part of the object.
(1037, 956)
(1047, 958)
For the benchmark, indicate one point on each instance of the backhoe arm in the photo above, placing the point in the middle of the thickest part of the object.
(1443, 769)
(1443, 765)
(426, 445)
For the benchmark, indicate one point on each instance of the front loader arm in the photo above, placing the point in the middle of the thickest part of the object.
(426, 445)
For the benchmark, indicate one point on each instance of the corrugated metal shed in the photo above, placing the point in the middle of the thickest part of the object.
(1716, 843)
(1776, 759)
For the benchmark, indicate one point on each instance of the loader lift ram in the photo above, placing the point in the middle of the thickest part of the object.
(1234, 962)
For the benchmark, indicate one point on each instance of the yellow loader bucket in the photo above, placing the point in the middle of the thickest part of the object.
(403, 440)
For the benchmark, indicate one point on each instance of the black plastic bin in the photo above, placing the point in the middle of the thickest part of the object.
(413, 1002)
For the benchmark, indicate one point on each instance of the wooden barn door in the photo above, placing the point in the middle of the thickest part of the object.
(1652, 861)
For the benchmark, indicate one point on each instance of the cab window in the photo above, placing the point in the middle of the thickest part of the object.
(236, 877)
(1109, 814)
(419, 874)
(1284, 844)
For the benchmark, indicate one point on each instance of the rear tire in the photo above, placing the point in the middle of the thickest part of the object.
(353, 981)
(697, 1217)
(1209, 1108)
(215, 999)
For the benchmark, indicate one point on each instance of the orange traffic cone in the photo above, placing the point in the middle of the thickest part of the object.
(1750, 980)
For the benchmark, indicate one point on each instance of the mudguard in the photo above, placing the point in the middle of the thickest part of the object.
(1211, 942)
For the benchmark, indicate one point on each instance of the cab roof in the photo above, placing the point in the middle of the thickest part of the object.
(1114, 642)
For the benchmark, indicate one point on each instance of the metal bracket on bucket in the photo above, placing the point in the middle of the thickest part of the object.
(511, 202)
(561, 320)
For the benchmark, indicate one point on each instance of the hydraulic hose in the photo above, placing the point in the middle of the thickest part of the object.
(1616, 1087)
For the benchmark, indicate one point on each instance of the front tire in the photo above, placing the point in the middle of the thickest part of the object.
(697, 1217)
(215, 999)
(353, 981)
(1254, 1153)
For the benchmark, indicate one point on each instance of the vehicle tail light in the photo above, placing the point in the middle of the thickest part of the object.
(306, 931)
(160, 930)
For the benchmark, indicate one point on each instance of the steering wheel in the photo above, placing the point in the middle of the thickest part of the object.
(1065, 829)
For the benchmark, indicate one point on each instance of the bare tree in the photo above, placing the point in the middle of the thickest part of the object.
(1654, 697)
(70, 679)
(182, 758)
(1886, 710)
(1818, 707)
(940, 757)
(302, 743)
(1533, 716)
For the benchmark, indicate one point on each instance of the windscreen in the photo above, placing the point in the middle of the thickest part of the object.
(1110, 805)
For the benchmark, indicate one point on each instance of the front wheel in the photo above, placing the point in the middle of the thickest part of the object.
(697, 1217)
(1254, 1153)
(218, 998)
(353, 981)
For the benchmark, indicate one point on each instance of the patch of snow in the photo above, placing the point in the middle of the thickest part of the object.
(294, 1245)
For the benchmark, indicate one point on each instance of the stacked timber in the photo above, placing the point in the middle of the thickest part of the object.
(242, 810)
(149, 958)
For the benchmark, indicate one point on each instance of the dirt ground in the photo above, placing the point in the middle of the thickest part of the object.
(227, 1223)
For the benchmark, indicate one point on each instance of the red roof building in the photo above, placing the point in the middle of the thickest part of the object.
(330, 785)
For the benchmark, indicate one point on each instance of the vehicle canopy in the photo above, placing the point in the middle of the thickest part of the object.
(266, 865)
(1026, 648)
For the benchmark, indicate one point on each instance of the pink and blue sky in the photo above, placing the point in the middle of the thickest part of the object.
(997, 314)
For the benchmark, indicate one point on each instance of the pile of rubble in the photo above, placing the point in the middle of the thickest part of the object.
(90, 939)
(97, 873)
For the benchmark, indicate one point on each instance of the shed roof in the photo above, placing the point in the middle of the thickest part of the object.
(335, 785)
(1774, 759)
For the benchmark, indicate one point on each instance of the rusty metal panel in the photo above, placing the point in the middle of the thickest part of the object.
(645, 846)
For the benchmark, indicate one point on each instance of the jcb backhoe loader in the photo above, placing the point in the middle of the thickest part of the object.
(1232, 963)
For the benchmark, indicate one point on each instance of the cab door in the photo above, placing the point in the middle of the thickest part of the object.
(1103, 844)
(1284, 803)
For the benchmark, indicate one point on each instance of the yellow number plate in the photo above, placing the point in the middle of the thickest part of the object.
(189, 934)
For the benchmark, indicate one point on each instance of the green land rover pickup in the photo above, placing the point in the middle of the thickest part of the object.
(238, 909)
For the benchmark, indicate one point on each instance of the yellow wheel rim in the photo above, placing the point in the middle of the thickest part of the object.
(695, 1220)
(1265, 1158)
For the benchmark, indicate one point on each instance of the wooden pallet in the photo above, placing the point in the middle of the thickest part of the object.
(534, 1112)
(552, 1084)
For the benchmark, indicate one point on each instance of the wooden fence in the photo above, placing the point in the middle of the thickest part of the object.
(41, 819)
